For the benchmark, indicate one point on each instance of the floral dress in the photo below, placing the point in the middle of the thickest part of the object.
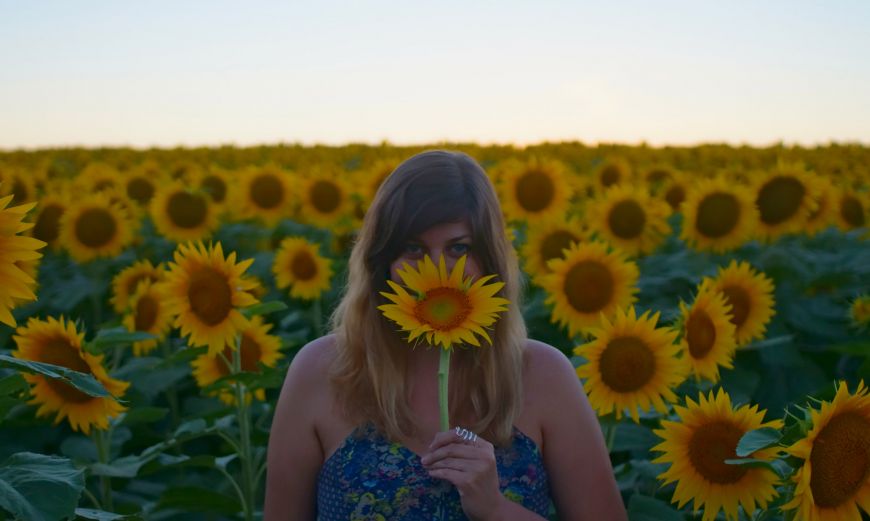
(369, 478)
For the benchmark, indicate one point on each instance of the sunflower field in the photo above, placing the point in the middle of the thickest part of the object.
(715, 301)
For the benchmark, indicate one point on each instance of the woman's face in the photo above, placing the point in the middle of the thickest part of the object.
(453, 240)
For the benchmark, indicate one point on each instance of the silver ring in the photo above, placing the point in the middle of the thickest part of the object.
(466, 435)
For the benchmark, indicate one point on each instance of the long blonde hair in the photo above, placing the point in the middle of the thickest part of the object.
(369, 371)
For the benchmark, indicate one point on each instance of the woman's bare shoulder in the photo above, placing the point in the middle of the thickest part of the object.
(309, 368)
(544, 362)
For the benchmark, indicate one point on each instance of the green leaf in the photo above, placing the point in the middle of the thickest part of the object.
(754, 463)
(757, 439)
(643, 508)
(37, 487)
(12, 384)
(102, 515)
(83, 382)
(264, 308)
(117, 336)
(196, 499)
(143, 415)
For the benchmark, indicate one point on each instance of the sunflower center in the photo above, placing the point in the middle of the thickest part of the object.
(267, 191)
(443, 308)
(187, 210)
(95, 227)
(140, 190)
(325, 196)
(675, 195)
(626, 364)
(47, 225)
(146, 313)
(779, 199)
(251, 354)
(610, 175)
(852, 211)
(535, 191)
(59, 351)
(303, 266)
(710, 446)
(216, 188)
(840, 459)
(700, 334)
(554, 243)
(626, 219)
(740, 304)
(717, 215)
(589, 286)
(19, 191)
(210, 295)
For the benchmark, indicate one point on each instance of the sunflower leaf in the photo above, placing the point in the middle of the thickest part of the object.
(83, 382)
(102, 515)
(264, 308)
(115, 336)
(757, 439)
(39, 487)
(753, 462)
(644, 508)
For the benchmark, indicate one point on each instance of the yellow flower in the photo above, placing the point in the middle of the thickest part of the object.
(57, 342)
(697, 447)
(324, 200)
(631, 365)
(750, 295)
(46, 223)
(94, 227)
(547, 240)
(140, 186)
(216, 183)
(204, 290)
(537, 189)
(18, 184)
(718, 215)
(257, 347)
(445, 309)
(182, 215)
(612, 171)
(148, 314)
(589, 279)
(824, 214)
(860, 311)
(707, 333)
(125, 283)
(674, 191)
(298, 265)
(15, 249)
(265, 193)
(851, 209)
(834, 480)
(785, 199)
(630, 219)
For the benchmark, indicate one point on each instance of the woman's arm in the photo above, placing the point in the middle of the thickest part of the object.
(582, 481)
(294, 454)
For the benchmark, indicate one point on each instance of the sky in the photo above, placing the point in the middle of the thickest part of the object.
(194, 73)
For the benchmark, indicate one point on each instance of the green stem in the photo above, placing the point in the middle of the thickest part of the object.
(248, 485)
(611, 436)
(93, 499)
(171, 394)
(443, 376)
(102, 444)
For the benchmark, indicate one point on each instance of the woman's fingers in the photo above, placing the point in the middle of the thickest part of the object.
(453, 450)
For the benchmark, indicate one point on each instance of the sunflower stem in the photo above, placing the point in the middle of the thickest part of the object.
(443, 376)
(242, 412)
(103, 456)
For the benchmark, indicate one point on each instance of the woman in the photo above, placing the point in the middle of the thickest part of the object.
(356, 428)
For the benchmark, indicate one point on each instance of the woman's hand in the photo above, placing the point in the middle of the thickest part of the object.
(471, 468)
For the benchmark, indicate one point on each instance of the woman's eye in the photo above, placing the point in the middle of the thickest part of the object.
(413, 249)
(461, 249)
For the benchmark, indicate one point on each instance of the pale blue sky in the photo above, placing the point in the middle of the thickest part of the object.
(203, 73)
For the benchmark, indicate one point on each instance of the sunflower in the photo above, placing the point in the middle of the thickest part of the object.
(325, 199)
(265, 193)
(750, 295)
(824, 214)
(859, 311)
(257, 347)
(537, 189)
(718, 215)
(183, 215)
(15, 249)
(19, 185)
(547, 240)
(612, 171)
(589, 279)
(834, 480)
(707, 333)
(299, 266)
(375, 177)
(446, 309)
(124, 284)
(216, 183)
(629, 218)
(140, 187)
(46, 223)
(203, 290)
(94, 227)
(96, 177)
(149, 314)
(57, 342)
(697, 447)
(851, 209)
(631, 365)
(785, 199)
(674, 191)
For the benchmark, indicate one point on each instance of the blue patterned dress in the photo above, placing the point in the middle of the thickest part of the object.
(369, 478)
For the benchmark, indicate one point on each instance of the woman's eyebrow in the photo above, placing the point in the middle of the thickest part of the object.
(454, 239)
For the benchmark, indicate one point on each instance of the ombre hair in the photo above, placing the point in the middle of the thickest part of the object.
(369, 370)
